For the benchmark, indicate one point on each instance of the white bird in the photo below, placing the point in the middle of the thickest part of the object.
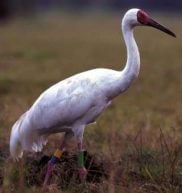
(77, 101)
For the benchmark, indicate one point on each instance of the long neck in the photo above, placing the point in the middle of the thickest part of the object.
(124, 78)
(131, 70)
(132, 67)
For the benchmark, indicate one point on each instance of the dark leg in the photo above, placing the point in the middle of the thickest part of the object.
(51, 164)
(55, 158)
(81, 168)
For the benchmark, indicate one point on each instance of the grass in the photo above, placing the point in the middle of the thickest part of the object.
(138, 138)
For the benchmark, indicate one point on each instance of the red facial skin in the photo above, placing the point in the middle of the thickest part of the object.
(142, 17)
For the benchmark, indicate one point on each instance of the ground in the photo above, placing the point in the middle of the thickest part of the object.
(136, 145)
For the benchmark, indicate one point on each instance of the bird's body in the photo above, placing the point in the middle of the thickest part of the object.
(70, 104)
(77, 101)
(73, 103)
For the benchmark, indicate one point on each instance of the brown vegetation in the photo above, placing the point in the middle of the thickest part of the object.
(135, 145)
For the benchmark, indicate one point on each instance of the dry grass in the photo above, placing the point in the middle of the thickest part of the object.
(138, 137)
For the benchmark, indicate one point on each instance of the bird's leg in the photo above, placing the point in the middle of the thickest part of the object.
(81, 168)
(55, 158)
(52, 162)
(57, 155)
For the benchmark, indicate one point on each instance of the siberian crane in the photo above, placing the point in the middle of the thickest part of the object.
(77, 101)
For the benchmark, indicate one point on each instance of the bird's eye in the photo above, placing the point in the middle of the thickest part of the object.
(142, 17)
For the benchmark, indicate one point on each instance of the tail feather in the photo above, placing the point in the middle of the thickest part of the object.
(16, 150)
(24, 138)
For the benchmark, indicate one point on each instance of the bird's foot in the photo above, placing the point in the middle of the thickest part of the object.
(82, 173)
(50, 169)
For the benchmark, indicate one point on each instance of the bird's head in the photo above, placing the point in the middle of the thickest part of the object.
(137, 17)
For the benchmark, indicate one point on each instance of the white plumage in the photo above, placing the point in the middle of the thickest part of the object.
(71, 104)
